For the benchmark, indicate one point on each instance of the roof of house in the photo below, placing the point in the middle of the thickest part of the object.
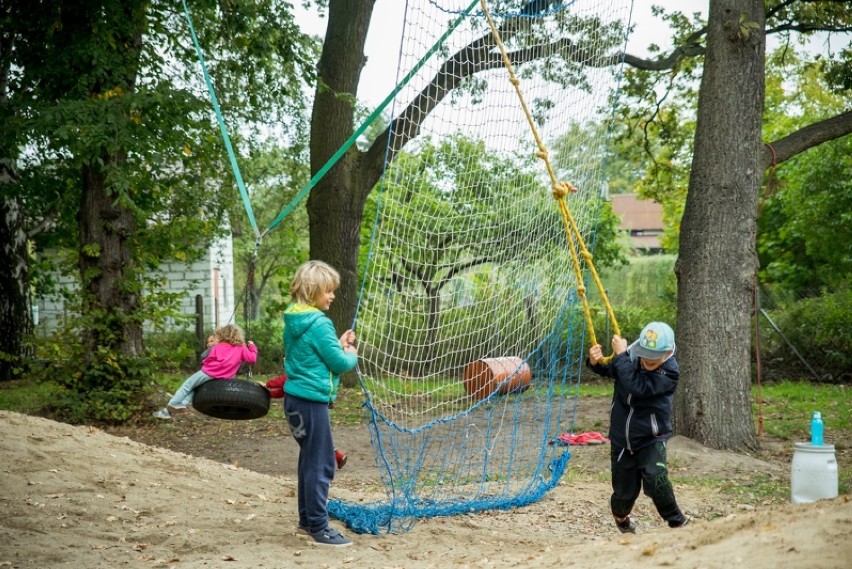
(636, 214)
(642, 218)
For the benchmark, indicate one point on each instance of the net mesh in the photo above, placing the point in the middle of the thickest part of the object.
(469, 324)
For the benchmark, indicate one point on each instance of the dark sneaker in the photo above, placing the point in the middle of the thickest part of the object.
(340, 457)
(176, 409)
(330, 537)
(686, 520)
(627, 525)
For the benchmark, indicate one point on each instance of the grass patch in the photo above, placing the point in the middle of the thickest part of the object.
(596, 388)
(753, 489)
(787, 407)
(26, 396)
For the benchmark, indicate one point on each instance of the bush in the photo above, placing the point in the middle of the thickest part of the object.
(266, 333)
(178, 350)
(102, 387)
(641, 292)
(818, 328)
(172, 351)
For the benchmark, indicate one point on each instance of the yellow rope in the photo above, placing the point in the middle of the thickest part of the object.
(560, 189)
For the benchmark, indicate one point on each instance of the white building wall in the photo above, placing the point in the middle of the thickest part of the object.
(212, 277)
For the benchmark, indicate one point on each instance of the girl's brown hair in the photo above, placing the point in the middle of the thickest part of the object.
(231, 334)
(312, 279)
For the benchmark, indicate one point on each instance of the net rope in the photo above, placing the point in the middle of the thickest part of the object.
(472, 312)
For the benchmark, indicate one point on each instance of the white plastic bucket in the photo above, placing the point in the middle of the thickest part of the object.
(814, 473)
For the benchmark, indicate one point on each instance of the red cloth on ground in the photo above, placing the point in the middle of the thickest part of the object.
(276, 386)
(592, 438)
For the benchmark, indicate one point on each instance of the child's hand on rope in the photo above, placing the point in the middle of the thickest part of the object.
(595, 354)
(619, 345)
(347, 340)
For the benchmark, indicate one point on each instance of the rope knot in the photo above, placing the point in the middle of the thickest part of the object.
(561, 189)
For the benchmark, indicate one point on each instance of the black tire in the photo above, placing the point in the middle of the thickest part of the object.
(234, 399)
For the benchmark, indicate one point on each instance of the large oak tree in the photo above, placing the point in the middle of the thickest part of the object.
(105, 97)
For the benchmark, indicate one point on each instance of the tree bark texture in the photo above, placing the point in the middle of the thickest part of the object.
(105, 263)
(106, 226)
(15, 310)
(336, 204)
(717, 264)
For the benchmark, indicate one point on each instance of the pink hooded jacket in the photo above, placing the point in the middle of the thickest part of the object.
(225, 359)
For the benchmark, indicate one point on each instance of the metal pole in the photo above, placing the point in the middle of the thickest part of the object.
(795, 351)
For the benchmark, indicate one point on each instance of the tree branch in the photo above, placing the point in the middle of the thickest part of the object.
(47, 223)
(479, 55)
(804, 27)
(692, 47)
(807, 137)
(774, 10)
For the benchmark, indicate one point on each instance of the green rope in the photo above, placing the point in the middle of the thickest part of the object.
(236, 168)
(337, 155)
(351, 140)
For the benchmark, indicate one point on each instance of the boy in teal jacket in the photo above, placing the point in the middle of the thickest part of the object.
(315, 358)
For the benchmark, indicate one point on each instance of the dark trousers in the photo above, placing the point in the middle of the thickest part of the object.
(645, 468)
(310, 425)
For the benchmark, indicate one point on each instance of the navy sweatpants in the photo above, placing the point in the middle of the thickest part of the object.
(311, 427)
(645, 468)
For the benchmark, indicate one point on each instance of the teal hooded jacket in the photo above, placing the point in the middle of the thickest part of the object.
(314, 358)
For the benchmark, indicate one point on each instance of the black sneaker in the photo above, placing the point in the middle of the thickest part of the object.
(686, 520)
(330, 537)
(627, 525)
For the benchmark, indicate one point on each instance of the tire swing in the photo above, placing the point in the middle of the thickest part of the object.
(233, 399)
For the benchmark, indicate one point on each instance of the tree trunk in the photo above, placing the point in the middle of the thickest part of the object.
(718, 262)
(336, 204)
(15, 315)
(108, 270)
(15, 309)
(109, 284)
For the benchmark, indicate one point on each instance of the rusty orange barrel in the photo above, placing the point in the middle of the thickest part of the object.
(487, 375)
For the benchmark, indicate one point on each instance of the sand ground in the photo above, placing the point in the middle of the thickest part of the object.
(80, 497)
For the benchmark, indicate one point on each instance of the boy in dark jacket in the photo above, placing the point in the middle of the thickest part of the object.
(646, 375)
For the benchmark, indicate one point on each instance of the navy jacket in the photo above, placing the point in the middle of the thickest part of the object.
(641, 411)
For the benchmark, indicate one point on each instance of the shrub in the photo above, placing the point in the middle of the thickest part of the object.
(175, 350)
(266, 334)
(641, 292)
(818, 328)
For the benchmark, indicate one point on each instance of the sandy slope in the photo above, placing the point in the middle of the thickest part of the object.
(78, 497)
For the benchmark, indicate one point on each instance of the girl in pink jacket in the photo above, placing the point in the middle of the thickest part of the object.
(223, 362)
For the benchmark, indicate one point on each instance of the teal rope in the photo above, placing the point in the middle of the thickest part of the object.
(234, 166)
(337, 155)
(351, 140)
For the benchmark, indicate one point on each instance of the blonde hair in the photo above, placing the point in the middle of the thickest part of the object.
(231, 334)
(313, 279)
